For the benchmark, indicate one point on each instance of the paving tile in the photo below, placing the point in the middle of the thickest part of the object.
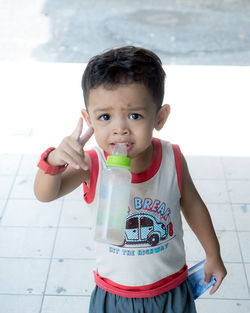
(202, 167)
(23, 188)
(212, 191)
(230, 250)
(32, 213)
(222, 216)
(71, 277)
(221, 306)
(234, 285)
(13, 303)
(9, 164)
(76, 214)
(23, 276)
(26, 242)
(245, 245)
(237, 167)
(239, 191)
(248, 276)
(17, 131)
(65, 304)
(28, 165)
(242, 216)
(74, 243)
(2, 205)
(5, 183)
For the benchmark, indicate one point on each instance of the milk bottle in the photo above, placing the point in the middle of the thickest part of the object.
(114, 197)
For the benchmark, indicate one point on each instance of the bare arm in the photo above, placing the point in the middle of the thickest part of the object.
(50, 187)
(198, 218)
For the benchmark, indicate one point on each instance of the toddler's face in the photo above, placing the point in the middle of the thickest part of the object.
(125, 114)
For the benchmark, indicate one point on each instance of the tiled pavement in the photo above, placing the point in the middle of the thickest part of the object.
(46, 250)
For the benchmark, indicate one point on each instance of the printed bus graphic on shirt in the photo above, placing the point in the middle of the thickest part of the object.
(146, 228)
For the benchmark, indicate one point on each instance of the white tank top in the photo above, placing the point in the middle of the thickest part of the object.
(153, 248)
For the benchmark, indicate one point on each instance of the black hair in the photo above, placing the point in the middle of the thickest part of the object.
(125, 65)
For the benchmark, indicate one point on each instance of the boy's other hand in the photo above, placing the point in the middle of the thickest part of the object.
(71, 149)
(215, 267)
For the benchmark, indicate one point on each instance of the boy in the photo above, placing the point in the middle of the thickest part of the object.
(123, 91)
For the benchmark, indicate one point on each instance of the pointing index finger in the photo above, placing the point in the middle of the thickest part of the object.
(78, 130)
(86, 136)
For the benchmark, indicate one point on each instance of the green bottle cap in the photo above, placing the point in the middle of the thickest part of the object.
(119, 156)
(118, 160)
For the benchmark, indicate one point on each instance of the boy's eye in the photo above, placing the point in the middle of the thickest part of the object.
(104, 117)
(135, 116)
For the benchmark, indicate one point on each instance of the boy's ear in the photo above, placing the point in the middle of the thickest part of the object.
(162, 116)
(86, 116)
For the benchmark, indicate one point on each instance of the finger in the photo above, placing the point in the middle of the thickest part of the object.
(70, 160)
(77, 153)
(215, 287)
(74, 159)
(76, 147)
(207, 278)
(78, 130)
(219, 279)
(86, 136)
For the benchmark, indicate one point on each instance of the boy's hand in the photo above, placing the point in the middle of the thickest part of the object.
(71, 149)
(215, 267)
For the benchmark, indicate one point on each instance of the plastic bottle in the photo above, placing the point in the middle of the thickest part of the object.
(196, 277)
(114, 197)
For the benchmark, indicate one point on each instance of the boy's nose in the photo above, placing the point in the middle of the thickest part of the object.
(120, 131)
(120, 128)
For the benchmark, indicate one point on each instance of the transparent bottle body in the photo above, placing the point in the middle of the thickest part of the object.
(113, 204)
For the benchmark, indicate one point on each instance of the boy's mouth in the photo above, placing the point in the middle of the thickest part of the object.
(129, 146)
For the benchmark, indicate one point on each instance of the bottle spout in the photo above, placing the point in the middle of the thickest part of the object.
(119, 156)
(120, 149)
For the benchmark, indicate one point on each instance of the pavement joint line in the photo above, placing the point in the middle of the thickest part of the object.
(237, 232)
(51, 257)
(11, 189)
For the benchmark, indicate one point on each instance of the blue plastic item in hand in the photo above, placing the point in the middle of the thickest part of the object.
(196, 277)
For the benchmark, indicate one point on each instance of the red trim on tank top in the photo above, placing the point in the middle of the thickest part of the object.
(178, 164)
(89, 192)
(145, 291)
